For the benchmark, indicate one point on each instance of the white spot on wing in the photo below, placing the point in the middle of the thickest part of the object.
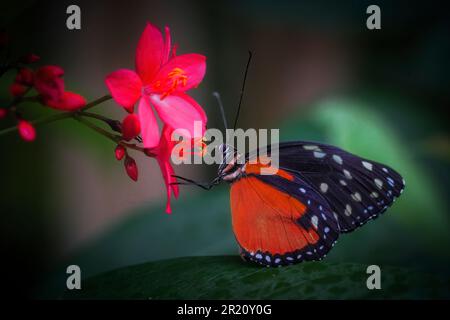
(356, 197)
(374, 195)
(378, 183)
(342, 182)
(335, 216)
(319, 154)
(310, 147)
(337, 158)
(323, 187)
(347, 174)
(367, 165)
(348, 210)
(315, 221)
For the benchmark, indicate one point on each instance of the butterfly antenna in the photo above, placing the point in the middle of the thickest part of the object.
(250, 54)
(222, 110)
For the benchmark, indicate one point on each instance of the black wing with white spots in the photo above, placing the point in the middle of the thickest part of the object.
(356, 189)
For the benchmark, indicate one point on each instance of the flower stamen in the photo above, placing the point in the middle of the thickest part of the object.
(177, 76)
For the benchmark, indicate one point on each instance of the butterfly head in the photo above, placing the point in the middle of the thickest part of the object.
(230, 169)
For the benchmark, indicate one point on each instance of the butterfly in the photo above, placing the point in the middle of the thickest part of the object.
(297, 214)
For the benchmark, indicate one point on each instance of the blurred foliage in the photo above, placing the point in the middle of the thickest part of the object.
(230, 278)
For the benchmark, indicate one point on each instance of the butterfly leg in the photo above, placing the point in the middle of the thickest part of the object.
(205, 186)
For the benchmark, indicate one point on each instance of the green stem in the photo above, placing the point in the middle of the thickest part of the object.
(110, 136)
(95, 116)
(103, 132)
(59, 116)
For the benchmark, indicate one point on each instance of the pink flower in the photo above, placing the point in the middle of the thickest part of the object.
(162, 154)
(49, 83)
(160, 82)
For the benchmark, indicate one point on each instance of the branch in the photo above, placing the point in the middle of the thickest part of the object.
(59, 116)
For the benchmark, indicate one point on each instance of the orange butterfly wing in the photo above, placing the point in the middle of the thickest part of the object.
(275, 228)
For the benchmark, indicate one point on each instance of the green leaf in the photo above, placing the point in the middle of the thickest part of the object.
(228, 277)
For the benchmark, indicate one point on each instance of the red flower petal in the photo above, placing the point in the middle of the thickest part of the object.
(149, 126)
(131, 127)
(48, 82)
(167, 45)
(131, 168)
(164, 151)
(17, 89)
(125, 87)
(69, 101)
(180, 111)
(149, 53)
(180, 74)
(119, 152)
(26, 130)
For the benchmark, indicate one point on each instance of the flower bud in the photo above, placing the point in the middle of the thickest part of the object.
(26, 130)
(30, 58)
(25, 76)
(17, 89)
(3, 113)
(48, 82)
(119, 152)
(68, 101)
(131, 127)
(131, 168)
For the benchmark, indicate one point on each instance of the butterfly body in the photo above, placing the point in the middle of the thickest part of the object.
(298, 213)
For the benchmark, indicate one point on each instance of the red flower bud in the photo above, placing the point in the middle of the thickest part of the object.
(48, 82)
(131, 127)
(3, 113)
(17, 90)
(30, 58)
(26, 130)
(25, 76)
(131, 168)
(119, 152)
(68, 101)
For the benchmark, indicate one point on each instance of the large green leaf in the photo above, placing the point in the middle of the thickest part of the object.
(227, 277)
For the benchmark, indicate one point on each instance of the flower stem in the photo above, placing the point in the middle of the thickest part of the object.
(103, 132)
(59, 116)
(110, 136)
